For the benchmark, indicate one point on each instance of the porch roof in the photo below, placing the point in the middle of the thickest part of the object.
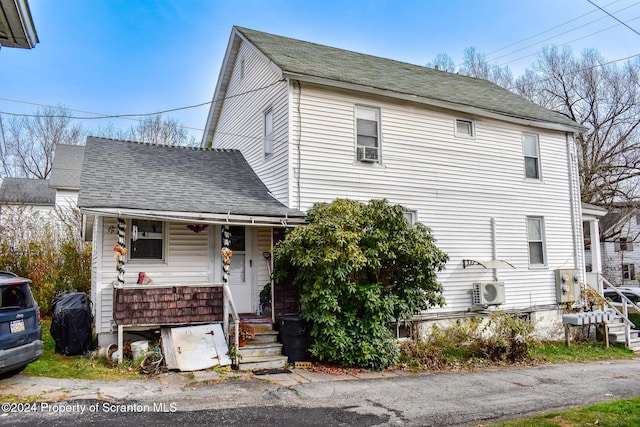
(124, 178)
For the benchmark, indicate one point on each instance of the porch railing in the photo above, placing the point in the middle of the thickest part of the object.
(624, 314)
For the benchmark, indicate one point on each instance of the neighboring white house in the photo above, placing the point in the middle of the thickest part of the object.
(620, 246)
(492, 174)
(26, 195)
(65, 174)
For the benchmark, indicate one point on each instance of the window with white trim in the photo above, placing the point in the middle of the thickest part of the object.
(628, 272)
(411, 216)
(367, 134)
(146, 240)
(268, 133)
(536, 240)
(531, 148)
(465, 128)
(623, 244)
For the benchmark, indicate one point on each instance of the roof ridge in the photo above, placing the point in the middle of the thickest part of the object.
(185, 147)
(397, 61)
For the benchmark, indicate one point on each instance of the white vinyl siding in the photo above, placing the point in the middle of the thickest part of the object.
(455, 188)
(241, 122)
(187, 262)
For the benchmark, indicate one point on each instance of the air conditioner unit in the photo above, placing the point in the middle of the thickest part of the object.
(368, 154)
(488, 293)
(566, 285)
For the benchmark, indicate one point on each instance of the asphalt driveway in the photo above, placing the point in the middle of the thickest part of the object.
(386, 398)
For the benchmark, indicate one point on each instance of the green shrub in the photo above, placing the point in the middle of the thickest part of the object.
(358, 267)
(50, 253)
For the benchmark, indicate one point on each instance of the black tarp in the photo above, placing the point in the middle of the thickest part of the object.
(71, 323)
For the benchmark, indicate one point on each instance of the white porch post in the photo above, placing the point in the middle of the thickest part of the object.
(596, 253)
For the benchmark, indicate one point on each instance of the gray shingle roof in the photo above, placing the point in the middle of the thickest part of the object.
(131, 175)
(314, 60)
(27, 191)
(66, 168)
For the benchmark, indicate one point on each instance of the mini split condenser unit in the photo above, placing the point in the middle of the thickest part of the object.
(488, 293)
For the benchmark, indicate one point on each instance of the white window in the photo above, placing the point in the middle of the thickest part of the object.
(367, 134)
(535, 237)
(146, 240)
(628, 272)
(242, 68)
(411, 216)
(268, 133)
(623, 244)
(465, 128)
(531, 148)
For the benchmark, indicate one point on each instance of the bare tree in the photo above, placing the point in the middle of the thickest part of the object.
(443, 62)
(154, 130)
(476, 65)
(604, 98)
(29, 141)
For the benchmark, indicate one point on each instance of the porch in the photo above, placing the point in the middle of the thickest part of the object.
(165, 306)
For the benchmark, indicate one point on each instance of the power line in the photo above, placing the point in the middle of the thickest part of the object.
(129, 116)
(550, 29)
(614, 17)
(558, 35)
(571, 41)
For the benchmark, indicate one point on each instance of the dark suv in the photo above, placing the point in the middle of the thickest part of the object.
(20, 330)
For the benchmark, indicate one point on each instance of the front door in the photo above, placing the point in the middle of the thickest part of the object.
(240, 269)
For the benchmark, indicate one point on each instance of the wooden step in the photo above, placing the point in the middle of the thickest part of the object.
(261, 349)
(253, 363)
(264, 337)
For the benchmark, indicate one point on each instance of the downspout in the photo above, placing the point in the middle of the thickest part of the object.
(494, 246)
(298, 144)
(575, 211)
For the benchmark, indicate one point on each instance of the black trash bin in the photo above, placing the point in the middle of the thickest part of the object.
(293, 336)
(71, 323)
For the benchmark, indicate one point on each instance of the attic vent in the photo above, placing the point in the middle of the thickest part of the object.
(368, 154)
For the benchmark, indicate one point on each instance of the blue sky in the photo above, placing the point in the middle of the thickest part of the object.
(142, 56)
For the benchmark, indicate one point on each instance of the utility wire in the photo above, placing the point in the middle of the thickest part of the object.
(614, 17)
(130, 116)
(558, 35)
(549, 30)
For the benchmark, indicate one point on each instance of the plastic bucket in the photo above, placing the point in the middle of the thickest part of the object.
(139, 349)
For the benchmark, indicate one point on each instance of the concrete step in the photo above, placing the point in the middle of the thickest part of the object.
(264, 337)
(260, 349)
(253, 363)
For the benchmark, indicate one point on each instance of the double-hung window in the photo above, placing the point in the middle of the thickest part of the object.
(147, 240)
(535, 237)
(531, 148)
(268, 133)
(368, 134)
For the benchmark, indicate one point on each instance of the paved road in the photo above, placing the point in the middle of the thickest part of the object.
(304, 398)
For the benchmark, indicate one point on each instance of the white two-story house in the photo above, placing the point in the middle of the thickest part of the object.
(492, 174)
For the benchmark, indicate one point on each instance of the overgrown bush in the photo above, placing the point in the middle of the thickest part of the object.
(46, 249)
(503, 338)
(360, 266)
